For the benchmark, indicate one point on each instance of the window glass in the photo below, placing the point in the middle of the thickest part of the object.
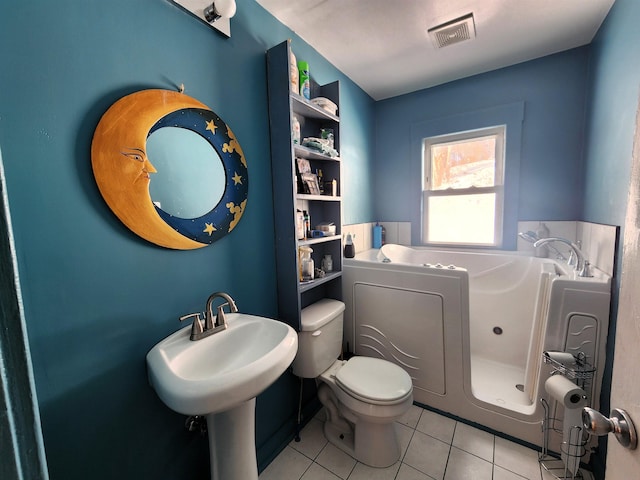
(465, 219)
(464, 164)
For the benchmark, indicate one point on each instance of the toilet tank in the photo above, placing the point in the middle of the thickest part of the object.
(320, 338)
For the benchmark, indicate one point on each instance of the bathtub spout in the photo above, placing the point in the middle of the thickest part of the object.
(532, 237)
(581, 266)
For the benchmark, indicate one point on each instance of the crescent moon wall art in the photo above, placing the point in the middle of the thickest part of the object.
(124, 172)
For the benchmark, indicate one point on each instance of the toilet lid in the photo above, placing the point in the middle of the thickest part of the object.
(374, 380)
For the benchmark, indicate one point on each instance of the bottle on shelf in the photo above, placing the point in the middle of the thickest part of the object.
(295, 131)
(300, 225)
(307, 224)
(293, 75)
(331, 187)
(327, 263)
(306, 264)
(305, 79)
(320, 181)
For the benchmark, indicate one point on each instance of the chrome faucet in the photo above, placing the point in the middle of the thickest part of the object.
(532, 237)
(211, 326)
(220, 322)
(581, 263)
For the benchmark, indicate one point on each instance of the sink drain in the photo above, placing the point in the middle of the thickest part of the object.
(520, 387)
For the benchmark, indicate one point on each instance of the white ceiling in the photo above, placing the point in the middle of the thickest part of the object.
(383, 45)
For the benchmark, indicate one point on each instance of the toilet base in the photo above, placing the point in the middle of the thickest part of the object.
(377, 444)
(343, 439)
(374, 444)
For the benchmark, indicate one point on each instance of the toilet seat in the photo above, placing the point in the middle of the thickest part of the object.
(374, 381)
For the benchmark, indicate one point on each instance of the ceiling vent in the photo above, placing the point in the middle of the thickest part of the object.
(454, 31)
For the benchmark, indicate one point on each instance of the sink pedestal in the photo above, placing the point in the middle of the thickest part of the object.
(232, 443)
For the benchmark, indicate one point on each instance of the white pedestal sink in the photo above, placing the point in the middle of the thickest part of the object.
(219, 377)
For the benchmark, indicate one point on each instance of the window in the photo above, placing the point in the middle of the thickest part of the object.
(463, 188)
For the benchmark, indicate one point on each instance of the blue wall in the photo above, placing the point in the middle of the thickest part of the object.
(553, 90)
(613, 102)
(97, 297)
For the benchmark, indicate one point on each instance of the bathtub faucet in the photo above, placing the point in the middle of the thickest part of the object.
(582, 265)
(532, 237)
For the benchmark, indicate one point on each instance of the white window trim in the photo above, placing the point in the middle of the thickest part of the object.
(500, 131)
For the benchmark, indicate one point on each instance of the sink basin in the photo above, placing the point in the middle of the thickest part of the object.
(223, 370)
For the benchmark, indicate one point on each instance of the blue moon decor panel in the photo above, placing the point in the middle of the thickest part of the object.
(224, 216)
(125, 165)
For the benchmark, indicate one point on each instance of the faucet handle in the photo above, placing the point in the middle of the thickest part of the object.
(196, 327)
(220, 318)
(586, 270)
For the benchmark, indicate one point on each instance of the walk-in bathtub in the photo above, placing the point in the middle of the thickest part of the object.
(471, 327)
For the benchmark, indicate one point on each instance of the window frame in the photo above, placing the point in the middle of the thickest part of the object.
(497, 189)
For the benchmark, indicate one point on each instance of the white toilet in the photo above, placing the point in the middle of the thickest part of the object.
(363, 397)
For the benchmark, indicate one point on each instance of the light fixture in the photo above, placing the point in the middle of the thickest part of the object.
(214, 13)
(220, 9)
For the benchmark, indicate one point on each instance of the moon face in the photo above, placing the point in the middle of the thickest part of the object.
(123, 171)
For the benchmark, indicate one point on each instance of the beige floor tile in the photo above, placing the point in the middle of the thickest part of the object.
(474, 441)
(500, 473)
(289, 465)
(464, 466)
(437, 426)
(336, 461)
(312, 439)
(428, 455)
(409, 473)
(517, 458)
(410, 419)
(365, 472)
(316, 472)
(404, 437)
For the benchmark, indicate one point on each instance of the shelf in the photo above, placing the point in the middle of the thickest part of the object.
(323, 198)
(312, 241)
(284, 105)
(580, 369)
(310, 154)
(319, 281)
(305, 108)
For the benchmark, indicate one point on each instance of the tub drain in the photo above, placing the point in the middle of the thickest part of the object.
(497, 330)
(520, 387)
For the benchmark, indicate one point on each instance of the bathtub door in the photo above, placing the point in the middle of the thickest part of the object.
(405, 327)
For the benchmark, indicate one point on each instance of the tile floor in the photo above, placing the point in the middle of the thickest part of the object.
(434, 448)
